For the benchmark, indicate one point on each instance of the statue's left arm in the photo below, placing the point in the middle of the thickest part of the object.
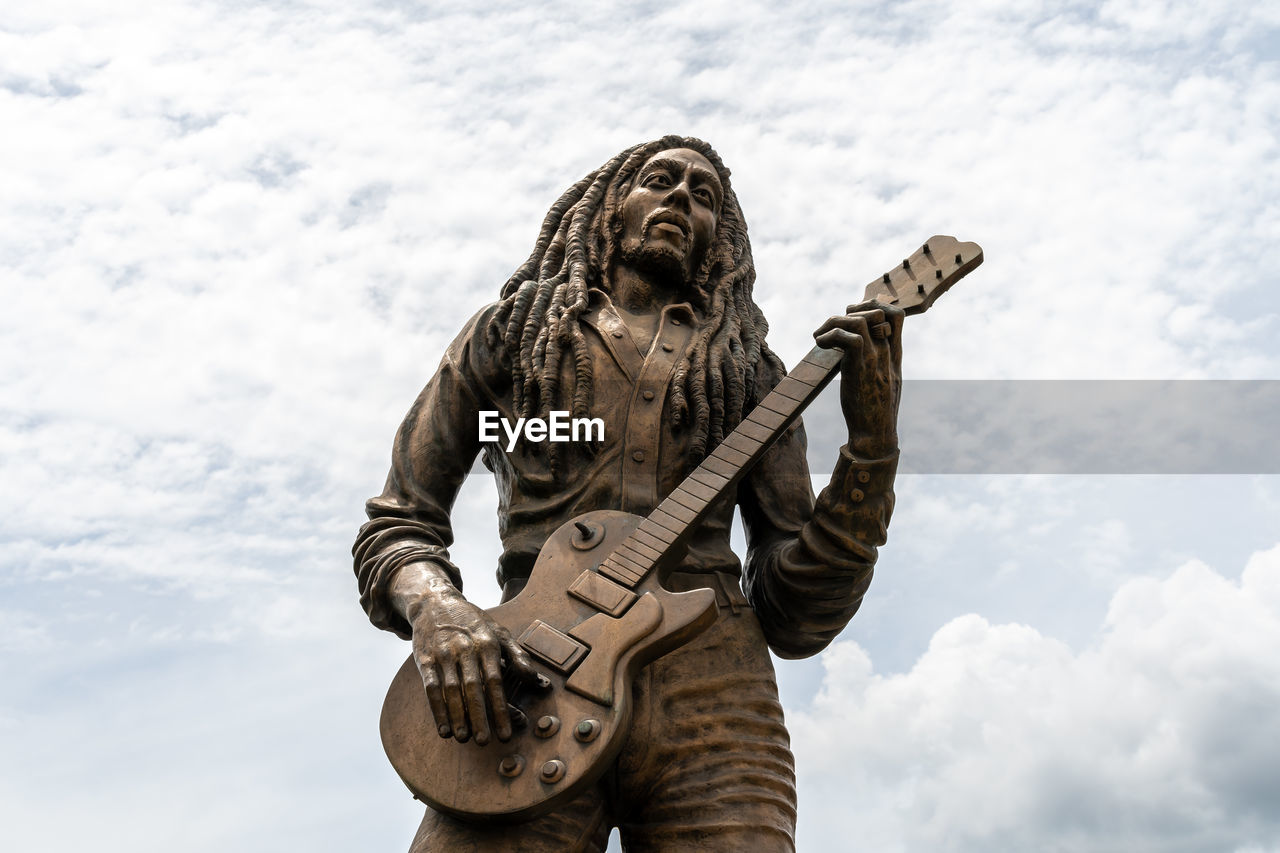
(809, 562)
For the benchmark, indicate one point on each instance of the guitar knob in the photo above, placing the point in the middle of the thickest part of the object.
(547, 726)
(552, 771)
(586, 536)
(587, 730)
(511, 765)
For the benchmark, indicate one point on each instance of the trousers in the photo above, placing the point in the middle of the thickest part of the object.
(707, 765)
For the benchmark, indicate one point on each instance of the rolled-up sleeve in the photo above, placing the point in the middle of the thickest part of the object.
(809, 562)
(433, 453)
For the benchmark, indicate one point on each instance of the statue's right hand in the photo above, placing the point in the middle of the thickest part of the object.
(460, 652)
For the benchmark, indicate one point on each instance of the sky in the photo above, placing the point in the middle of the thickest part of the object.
(236, 237)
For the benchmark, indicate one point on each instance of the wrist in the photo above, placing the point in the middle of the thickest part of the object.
(421, 585)
(879, 446)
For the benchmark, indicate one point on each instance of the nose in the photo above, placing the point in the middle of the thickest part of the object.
(678, 197)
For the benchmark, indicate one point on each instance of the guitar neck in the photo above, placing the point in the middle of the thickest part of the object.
(913, 286)
(667, 528)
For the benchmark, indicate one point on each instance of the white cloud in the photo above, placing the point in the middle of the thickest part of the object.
(235, 238)
(1160, 735)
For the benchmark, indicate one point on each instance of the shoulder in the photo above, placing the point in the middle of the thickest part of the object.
(478, 355)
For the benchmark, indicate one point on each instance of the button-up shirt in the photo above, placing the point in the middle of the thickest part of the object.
(808, 563)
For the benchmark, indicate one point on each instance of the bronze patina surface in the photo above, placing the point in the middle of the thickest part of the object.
(635, 308)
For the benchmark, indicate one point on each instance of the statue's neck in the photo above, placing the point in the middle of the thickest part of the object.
(641, 292)
(639, 298)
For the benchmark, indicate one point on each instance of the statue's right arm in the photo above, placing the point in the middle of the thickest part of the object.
(407, 582)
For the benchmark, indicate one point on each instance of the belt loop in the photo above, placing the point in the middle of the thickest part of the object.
(724, 580)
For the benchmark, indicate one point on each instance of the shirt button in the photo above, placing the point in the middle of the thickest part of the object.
(638, 456)
(856, 495)
(864, 476)
(648, 395)
(667, 347)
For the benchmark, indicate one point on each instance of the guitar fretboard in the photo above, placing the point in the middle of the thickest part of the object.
(669, 525)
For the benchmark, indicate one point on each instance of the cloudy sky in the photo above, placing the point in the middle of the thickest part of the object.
(235, 237)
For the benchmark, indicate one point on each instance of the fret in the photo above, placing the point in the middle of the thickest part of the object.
(680, 514)
(767, 419)
(638, 551)
(754, 432)
(649, 543)
(668, 520)
(630, 561)
(665, 537)
(736, 458)
(742, 443)
(629, 557)
(719, 466)
(648, 551)
(775, 402)
(709, 478)
(614, 571)
(622, 573)
(809, 373)
(674, 526)
(792, 390)
(686, 500)
(700, 491)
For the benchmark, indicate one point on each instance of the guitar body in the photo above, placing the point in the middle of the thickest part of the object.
(577, 727)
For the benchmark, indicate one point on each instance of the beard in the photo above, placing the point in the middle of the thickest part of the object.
(658, 258)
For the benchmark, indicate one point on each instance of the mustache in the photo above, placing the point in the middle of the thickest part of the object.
(668, 216)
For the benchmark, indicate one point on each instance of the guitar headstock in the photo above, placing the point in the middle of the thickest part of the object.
(918, 281)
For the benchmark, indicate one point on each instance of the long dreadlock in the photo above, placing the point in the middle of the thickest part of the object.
(713, 387)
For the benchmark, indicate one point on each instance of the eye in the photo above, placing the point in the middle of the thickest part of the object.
(657, 180)
(705, 196)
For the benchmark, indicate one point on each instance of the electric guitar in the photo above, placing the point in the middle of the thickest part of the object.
(594, 612)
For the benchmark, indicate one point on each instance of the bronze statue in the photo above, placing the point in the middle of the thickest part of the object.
(634, 314)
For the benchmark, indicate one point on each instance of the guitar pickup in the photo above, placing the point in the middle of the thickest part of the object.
(553, 647)
(601, 593)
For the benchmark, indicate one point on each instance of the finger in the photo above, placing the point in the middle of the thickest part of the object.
(435, 695)
(453, 698)
(869, 305)
(852, 322)
(843, 327)
(895, 316)
(519, 659)
(491, 663)
(876, 321)
(841, 339)
(473, 692)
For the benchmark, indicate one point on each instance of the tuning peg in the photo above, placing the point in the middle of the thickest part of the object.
(926, 248)
(906, 265)
(886, 278)
(957, 258)
(937, 273)
(920, 288)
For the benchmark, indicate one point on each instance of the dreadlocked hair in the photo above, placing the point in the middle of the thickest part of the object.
(537, 321)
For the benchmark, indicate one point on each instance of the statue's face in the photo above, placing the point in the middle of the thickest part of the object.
(669, 216)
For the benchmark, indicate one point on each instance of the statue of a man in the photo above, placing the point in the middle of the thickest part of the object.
(636, 307)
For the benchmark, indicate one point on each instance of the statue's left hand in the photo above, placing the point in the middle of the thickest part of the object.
(871, 374)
